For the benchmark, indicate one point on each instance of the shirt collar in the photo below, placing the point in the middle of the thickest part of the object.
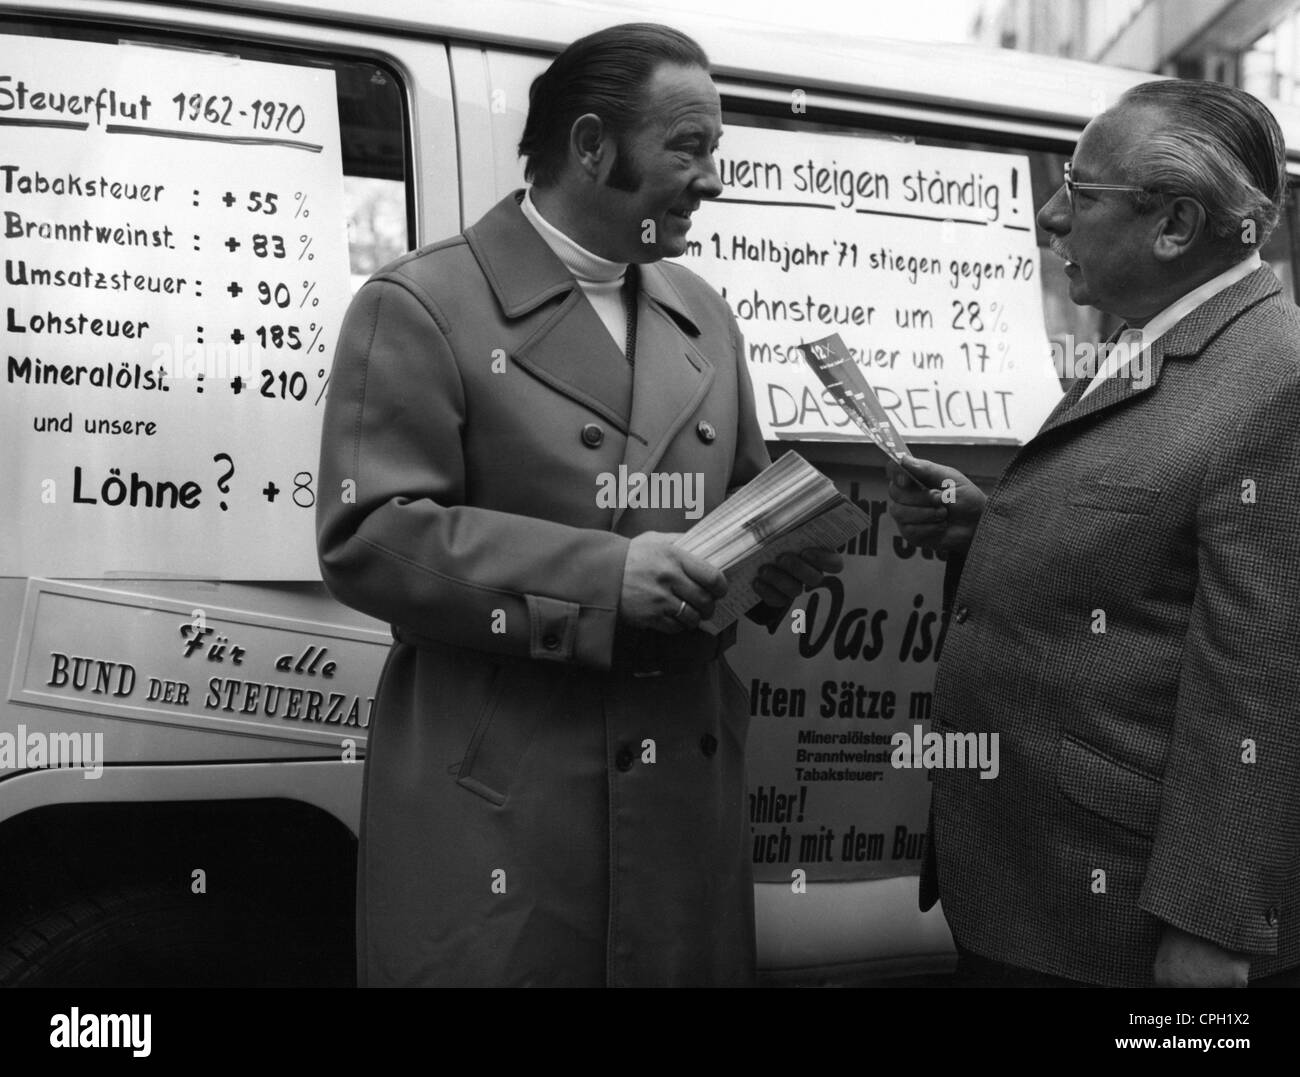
(1183, 306)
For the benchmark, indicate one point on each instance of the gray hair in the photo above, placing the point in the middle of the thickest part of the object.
(1220, 146)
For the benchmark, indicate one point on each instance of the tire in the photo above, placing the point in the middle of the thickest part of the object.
(159, 934)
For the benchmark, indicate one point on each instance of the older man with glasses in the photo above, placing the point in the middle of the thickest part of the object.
(1126, 598)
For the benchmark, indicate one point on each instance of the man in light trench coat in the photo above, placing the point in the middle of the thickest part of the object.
(555, 774)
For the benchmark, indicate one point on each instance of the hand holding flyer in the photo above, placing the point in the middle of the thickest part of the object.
(840, 374)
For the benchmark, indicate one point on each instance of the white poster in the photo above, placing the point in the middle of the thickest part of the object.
(175, 272)
(849, 671)
(922, 259)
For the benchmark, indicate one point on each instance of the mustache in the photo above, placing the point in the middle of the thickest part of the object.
(1059, 249)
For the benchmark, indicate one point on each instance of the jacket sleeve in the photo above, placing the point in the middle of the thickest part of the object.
(1229, 824)
(395, 536)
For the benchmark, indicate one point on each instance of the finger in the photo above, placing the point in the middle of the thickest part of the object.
(925, 529)
(780, 581)
(925, 536)
(769, 594)
(902, 479)
(699, 602)
(793, 565)
(907, 516)
(912, 471)
(686, 617)
(823, 561)
(908, 493)
(668, 624)
(925, 472)
(701, 574)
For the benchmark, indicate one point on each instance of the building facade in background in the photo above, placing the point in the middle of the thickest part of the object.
(1254, 44)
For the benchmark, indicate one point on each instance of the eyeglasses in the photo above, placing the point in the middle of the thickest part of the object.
(1072, 185)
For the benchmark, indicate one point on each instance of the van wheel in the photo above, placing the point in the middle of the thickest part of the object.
(154, 934)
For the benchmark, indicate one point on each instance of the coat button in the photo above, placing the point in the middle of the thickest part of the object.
(705, 429)
(550, 641)
(623, 760)
(1271, 916)
(963, 612)
(592, 435)
(708, 745)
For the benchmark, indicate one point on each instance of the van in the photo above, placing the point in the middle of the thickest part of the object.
(184, 723)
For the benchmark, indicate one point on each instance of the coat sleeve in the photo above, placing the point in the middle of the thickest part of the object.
(1229, 824)
(395, 536)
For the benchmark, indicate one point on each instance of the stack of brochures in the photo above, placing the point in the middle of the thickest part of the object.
(789, 507)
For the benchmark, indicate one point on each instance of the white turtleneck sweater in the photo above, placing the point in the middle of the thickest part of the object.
(600, 279)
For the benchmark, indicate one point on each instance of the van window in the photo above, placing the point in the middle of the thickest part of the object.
(373, 129)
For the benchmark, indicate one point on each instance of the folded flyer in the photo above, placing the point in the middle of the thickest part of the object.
(833, 364)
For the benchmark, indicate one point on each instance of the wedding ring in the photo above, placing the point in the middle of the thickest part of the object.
(680, 610)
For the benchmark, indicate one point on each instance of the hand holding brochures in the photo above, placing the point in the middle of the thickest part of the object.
(788, 508)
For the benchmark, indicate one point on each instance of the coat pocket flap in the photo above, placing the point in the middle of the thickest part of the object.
(519, 701)
(1115, 792)
(1114, 497)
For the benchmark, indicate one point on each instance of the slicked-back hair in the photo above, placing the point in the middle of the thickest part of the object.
(604, 73)
(1220, 146)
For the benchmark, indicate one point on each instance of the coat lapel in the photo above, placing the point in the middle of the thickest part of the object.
(1108, 394)
(671, 375)
(570, 350)
(1185, 341)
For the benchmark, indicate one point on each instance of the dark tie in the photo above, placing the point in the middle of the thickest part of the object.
(631, 283)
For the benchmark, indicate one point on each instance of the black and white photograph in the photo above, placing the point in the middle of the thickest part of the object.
(633, 494)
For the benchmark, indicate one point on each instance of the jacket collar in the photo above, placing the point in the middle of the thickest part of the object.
(1184, 341)
(524, 272)
(570, 349)
(1192, 334)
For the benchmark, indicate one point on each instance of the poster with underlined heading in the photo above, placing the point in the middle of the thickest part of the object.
(175, 273)
(923, 259)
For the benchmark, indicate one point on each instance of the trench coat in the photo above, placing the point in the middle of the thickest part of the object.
(549, 798)
(1125, 620)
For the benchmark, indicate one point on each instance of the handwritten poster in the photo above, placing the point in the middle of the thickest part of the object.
(827, 702)
(922, 259)
(175, 273)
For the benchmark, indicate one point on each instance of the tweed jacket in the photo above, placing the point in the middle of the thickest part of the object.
(1127, 621)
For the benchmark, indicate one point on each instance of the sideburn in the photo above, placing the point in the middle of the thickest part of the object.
(624, 175)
